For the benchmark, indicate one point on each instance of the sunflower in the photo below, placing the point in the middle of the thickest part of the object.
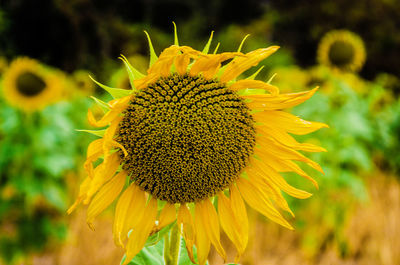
(342, 49)
(30, 86)
(82, 82)
(190, 137)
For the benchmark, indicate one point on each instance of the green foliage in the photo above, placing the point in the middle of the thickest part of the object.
(37, 150)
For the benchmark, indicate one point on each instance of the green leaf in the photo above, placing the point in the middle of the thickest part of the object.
(114, 92)
(99, 133)
(150, 255)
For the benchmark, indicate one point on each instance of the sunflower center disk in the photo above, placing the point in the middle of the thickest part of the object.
(187, 138)
(30, 84)
(341, 53)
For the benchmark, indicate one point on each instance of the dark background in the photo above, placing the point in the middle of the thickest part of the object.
(73, 34)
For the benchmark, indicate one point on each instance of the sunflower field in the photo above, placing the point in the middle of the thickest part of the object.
(184, 132)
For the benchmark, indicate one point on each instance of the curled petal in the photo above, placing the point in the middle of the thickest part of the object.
(105, 196)
(254, 84)
(276, 102)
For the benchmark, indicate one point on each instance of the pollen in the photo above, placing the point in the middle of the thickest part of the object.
(186, 137)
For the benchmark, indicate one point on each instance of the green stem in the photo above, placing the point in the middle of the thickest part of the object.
(172, 246)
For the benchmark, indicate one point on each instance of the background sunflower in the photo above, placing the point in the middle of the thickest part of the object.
(342, 50)
(31, 86)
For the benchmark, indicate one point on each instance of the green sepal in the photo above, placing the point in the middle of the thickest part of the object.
(272, 78)
(133, 73)
(216, 48)
(99, 133)
(153, 56)
(241, 44)
(176, 41)
(253, 76)
(207, 47)
(103, 105)
(156, 237)
(114, 92)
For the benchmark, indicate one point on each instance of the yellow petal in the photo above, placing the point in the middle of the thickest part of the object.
(167, 216)
(288, 122)
(271, 176)
(284, 138)
(240, 212)
(105, 196)
(280, 165)
(210, 64)
(163, 65)
(94, 147)
(117, 107)
(229, 223)
(83, 188)
(105, 171)
(202, 241)
(271, 191)
(109, 134)
(241, 64)
(186, 224)
(148, 79)
(181, 63)
(206, 211)
(281, 101)
(258, 201)
(274, 149)
(254, 84)
(128, 212)
(141, 232)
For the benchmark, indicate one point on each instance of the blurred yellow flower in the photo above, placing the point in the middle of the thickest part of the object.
(82, 83)
(30, 86)
(187, 134)
(343, 50)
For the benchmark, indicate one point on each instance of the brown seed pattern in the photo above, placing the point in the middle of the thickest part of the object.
(187, 138)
